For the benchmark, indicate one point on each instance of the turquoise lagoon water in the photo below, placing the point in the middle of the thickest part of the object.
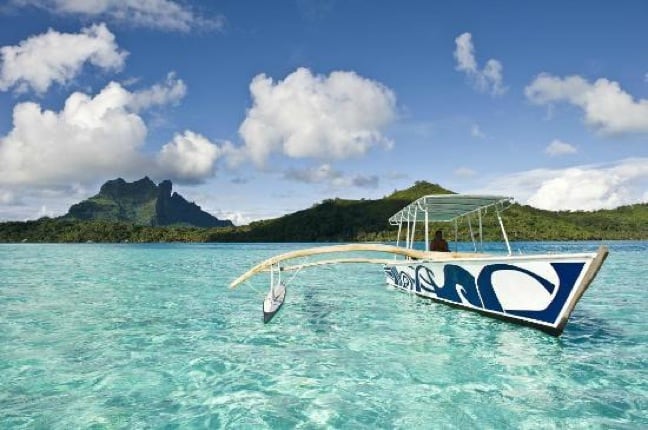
(149, 336)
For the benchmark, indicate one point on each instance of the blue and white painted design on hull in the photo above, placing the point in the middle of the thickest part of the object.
(532, 292)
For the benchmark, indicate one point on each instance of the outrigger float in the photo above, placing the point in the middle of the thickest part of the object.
(540, 290)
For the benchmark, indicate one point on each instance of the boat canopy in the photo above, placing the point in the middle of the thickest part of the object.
(447, 207)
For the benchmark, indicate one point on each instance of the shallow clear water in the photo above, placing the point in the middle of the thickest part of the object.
(149, 336)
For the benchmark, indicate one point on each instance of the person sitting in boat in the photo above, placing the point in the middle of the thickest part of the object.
(439, 243)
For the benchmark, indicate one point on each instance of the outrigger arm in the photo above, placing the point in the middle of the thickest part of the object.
(277, 294)
(372, 247)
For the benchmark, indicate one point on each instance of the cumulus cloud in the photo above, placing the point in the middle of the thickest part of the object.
(487, 80)
(54, 57)
(95, 137)
(558, 147)
(306, 115)
(606, 106)
(189, 158)
(237, 217)
(325, 173)
(157, 14)
(91, 136)
(170, 92)
(588, 187)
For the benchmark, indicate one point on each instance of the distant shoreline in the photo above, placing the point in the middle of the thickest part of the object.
(76, 232)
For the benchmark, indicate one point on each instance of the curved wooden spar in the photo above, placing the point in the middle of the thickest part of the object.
(372, 247)
(381, 261)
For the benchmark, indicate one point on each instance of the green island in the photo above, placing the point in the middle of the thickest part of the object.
(143, 212)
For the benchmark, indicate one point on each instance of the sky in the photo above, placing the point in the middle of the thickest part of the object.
(255, 109)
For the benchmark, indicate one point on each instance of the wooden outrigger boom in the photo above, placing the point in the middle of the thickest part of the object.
(353, 247)
(324, 250)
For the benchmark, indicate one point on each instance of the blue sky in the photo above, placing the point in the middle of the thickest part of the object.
(256, 108)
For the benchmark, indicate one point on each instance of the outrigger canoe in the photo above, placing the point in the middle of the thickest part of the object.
(536, 290)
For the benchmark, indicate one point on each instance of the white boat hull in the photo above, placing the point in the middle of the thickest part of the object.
(539, 291)
(273, 302)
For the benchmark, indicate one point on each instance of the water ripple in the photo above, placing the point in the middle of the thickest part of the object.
(148, 336)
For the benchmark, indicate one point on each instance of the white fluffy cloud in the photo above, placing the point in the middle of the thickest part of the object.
(189, 158)
(237, 218)
(89, 137)
(606, 106)
(487, 80)
(158, 14)
(588, 187)
(44, 59)
(558, 147)
(170, 92)
(96, 137)
(306, 115)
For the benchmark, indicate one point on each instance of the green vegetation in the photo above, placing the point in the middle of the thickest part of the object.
(419, 189)
(333, 220)
(119, 201)
(66, 231)
(527, 223)
(141, 203)
(346, 220)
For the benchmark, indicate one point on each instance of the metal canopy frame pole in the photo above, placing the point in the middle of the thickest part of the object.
(400, 227)
(413, 228)
(481, 232)
(472, 235)
(427, 232)
(499, 218)
(407, 233)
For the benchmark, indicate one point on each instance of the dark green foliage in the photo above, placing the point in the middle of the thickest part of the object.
(46, 230)
(348, 220)
(366, 220)
(419, 189)
(142, 203)
(332, 220)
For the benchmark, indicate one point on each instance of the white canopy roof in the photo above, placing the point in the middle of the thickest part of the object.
(447, 207)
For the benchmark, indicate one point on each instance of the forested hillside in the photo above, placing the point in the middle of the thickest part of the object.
(366, 220)
(347, 220)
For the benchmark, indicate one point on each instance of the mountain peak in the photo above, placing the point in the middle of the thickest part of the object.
(144, 203)
(140, 189)
(419, 189)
